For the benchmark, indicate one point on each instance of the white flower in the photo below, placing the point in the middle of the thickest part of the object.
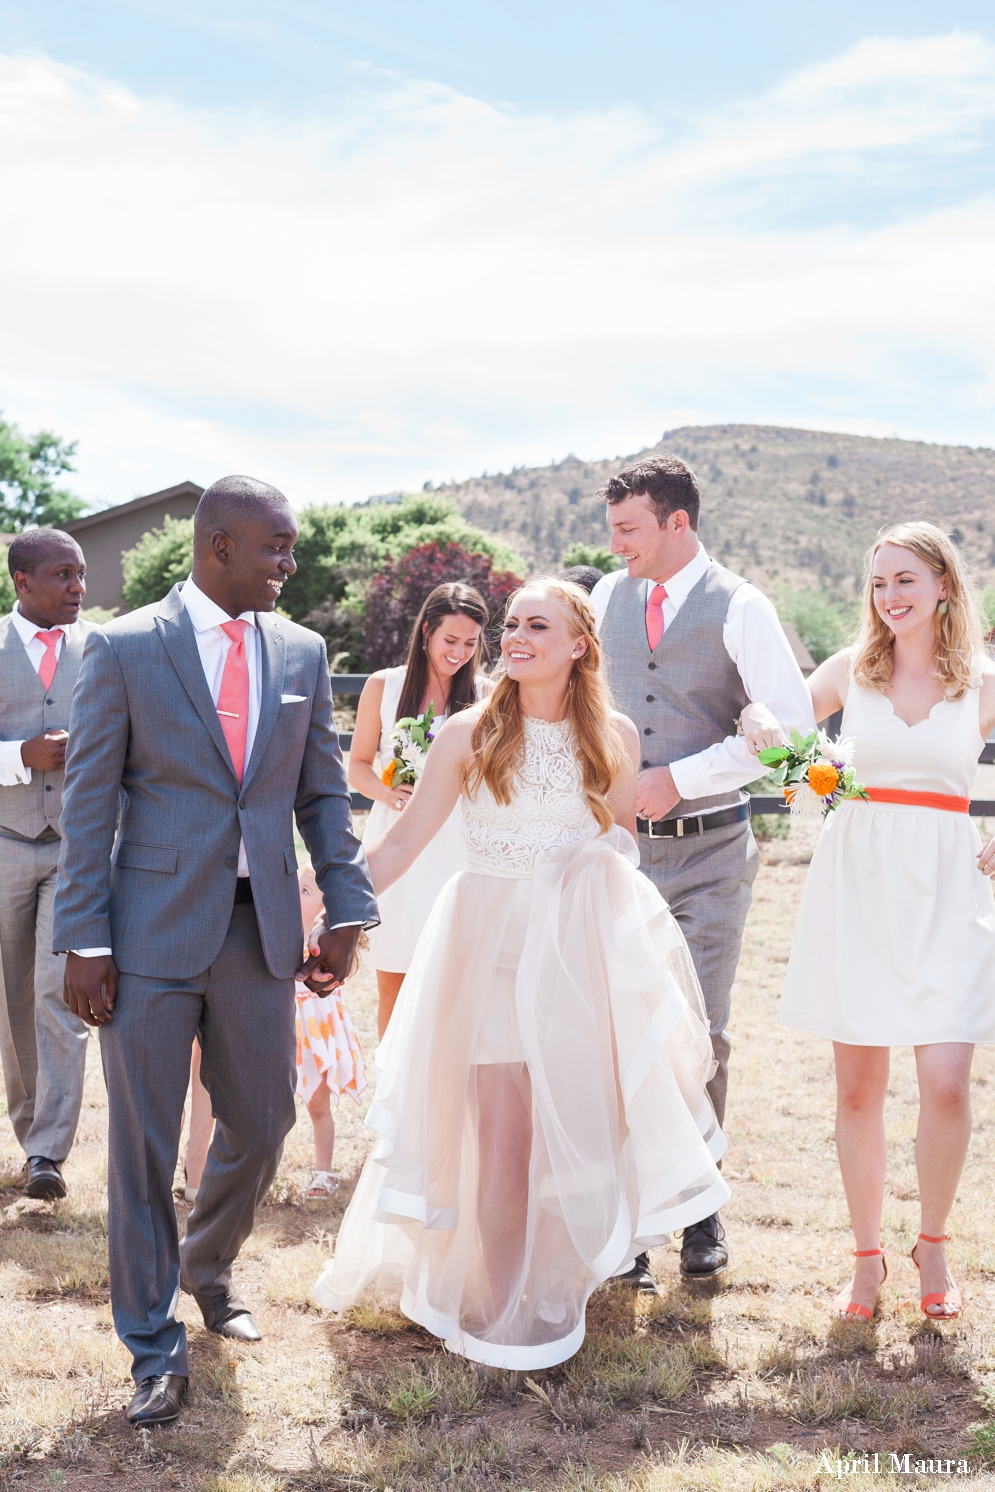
(804, 803)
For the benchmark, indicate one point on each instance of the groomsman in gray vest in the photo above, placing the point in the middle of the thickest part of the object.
(207, 720)
(688, 644)
(43, 1046)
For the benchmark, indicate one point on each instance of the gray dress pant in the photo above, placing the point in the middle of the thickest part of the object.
(42, 1045)
(707, 880)
(245, 1020)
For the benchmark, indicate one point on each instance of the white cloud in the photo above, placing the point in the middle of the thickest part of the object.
(413, 283)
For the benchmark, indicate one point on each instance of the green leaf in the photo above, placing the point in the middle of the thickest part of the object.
(772, 756)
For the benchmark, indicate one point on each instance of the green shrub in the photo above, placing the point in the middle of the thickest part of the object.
(597, 556)
(823, 623)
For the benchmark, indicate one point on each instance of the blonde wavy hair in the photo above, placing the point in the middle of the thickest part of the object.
(960, 631)
(498, 738)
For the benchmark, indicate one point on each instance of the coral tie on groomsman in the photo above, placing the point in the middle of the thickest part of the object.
(654, 615)
(233, 697)
(50, 662)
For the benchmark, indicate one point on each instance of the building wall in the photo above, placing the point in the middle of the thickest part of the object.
(104, 541)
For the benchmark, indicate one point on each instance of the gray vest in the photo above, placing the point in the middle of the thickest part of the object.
(685, 695)
(26, 710)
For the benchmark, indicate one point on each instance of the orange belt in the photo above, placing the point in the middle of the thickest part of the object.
(918, 800)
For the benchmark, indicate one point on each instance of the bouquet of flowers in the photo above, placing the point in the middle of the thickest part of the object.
(412, 737)
(815, 772)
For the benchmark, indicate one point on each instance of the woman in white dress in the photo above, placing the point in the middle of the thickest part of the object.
(895, 939)
(541, 1105)
(443, 670)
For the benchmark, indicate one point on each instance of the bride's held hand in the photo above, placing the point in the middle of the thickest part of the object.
(397, 797)
(761, 729)
(986, 859)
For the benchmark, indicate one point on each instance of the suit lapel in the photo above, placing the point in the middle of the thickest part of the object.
(273, 646)
(180, 641)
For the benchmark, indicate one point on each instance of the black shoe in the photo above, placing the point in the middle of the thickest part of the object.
(638, 1277)
(703, 1250)
(44, 1179)
(157, 1401)
(227, 1316)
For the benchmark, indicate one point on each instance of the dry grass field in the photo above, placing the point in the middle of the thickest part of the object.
(747, 1384)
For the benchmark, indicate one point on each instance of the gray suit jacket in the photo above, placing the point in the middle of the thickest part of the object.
(144, 736)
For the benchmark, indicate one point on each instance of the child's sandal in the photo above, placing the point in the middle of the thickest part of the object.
(324, 1184)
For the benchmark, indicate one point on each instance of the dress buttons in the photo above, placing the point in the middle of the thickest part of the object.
(650, 698)
(652, 665)
(648, 731)
(232, 862)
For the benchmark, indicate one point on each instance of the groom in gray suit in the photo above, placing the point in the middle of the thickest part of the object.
(208, 722)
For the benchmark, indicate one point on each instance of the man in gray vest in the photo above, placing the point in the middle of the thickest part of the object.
(43, 1046)
(687, 644)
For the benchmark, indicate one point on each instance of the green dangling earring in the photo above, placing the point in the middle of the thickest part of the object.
(941, 609)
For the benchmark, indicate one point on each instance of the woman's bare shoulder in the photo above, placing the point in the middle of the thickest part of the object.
(625, 727)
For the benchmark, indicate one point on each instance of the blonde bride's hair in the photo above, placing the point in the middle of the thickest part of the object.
(960, 632)
(498, 738)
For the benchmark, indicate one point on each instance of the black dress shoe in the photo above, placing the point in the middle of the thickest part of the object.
(227, 1316)
(158, 1400)
(703, 1249)
(44, 1179)
(638, 1277)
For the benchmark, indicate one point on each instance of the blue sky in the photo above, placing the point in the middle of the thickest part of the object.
(354, 248)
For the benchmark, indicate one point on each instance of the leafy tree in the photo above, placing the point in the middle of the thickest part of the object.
(159, 559)
(823, 624)
(7, 593)
(597, 556)
(340, 551)
(396, 594)
(29, 468)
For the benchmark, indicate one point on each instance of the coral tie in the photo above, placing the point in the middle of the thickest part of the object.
(654, 616)
(50, 662)
(233, 697)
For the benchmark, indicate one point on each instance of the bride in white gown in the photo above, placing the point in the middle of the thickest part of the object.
(541, 1106)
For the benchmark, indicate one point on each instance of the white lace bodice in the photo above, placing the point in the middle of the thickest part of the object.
(549, 807)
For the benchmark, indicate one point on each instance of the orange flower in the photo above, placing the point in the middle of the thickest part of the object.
(387, 776)
(823, 779)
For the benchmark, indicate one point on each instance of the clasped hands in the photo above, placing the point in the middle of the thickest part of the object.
(760, 729)
(332, 954)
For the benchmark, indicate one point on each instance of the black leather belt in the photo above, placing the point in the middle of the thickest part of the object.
(243, 890)
(699, 823)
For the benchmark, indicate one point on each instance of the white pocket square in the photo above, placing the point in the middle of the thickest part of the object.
(292, 699)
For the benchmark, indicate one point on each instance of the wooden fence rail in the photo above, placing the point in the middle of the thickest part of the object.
(350, 685)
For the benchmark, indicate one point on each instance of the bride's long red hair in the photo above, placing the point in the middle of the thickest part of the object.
(498, 738)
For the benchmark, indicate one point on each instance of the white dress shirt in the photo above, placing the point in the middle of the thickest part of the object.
(13, 772)
(755, 641)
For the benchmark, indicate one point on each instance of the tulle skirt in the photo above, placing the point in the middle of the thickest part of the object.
(541, 1108)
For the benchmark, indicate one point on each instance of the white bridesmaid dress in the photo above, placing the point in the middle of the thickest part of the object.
(552, 955)
(405, 908)
(895, 939)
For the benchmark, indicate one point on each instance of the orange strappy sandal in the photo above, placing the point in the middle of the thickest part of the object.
(861, 1312)
(950, 1298)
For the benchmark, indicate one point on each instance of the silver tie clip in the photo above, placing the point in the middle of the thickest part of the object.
(232, 715)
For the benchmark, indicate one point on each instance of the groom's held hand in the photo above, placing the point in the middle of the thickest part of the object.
(333, 962)
(89, 987)
(657, 793)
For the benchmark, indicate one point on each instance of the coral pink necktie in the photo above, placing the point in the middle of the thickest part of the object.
(50, 662)
(654, 616)
(233, 697)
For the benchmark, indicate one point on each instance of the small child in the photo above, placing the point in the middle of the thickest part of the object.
(329, 1061)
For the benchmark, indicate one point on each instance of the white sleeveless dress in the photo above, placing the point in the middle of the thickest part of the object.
(551, 954)
(405, 907)
(895, 939)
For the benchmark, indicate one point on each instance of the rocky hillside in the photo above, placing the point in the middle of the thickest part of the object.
(784, 507)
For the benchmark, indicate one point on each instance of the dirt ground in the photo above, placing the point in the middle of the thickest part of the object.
(747, 1384)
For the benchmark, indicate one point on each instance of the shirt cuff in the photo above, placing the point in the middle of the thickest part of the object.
(91, 952)
(13, 772)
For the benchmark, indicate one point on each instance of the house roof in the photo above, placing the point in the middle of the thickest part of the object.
(182, 489)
